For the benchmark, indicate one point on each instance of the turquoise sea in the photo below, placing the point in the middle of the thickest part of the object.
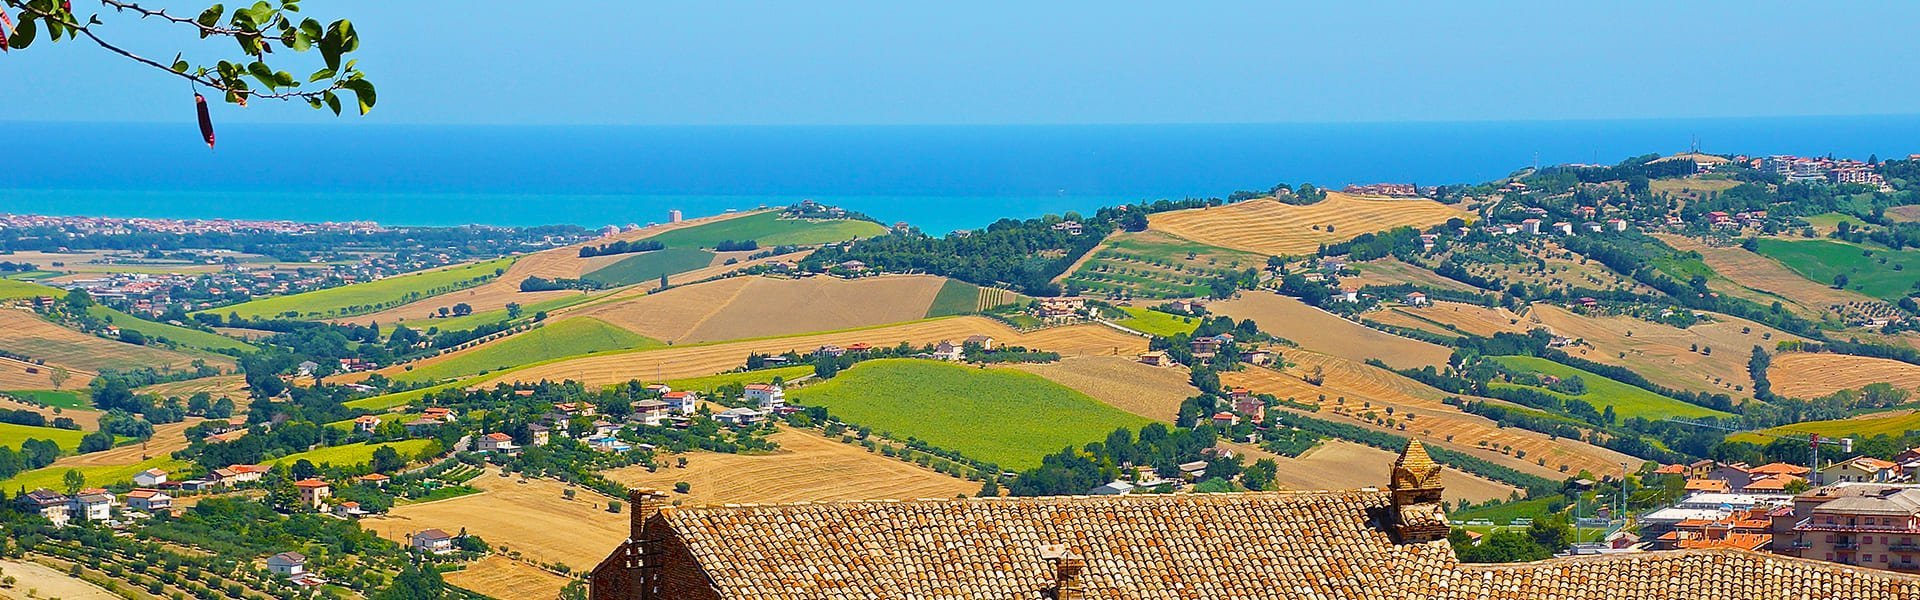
(937, 177)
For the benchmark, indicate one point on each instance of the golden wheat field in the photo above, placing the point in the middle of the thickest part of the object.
(1122, 382)
(14, 375)
(1343, 465)
(35, 580)
(1321, 331)
(1453, 319)
(556, 263)
(233, 387)
(1268, 226)
(1664, 354)
(807, 467)
(88, 419)
(30, 335)
(746, 307)
(530, 516)
(1811, 375)
(166, 440)
(507, 579)
(1393, 271)
(1360, 394)
(698, 360)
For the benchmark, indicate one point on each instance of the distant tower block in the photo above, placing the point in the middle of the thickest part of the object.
(673, 216)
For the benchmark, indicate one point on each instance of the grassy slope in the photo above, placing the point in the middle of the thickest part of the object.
(494, 316)
(1156, 322)
(188, 338)
(770, 230)
(569, 337)
(57, 398)
(1000, 416)
(708, 383)
(646, 267)
(21, 290)
(1864, 427)
(955, 298)
(11, 436)
(1821, 260)
(351, 454)
(397, 399)
(53, 477)
(1627, 401)
(331, 301)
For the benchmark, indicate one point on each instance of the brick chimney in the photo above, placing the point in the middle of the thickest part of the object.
(632, 571)
(643, 505)
(1067, 567)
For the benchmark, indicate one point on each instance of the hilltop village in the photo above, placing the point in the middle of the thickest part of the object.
(1690, 369)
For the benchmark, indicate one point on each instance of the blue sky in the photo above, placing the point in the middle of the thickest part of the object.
(983, 62)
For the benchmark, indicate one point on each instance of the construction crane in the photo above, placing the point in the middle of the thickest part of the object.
(1813, 440)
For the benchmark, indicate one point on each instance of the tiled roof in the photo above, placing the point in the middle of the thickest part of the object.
(1315, 545)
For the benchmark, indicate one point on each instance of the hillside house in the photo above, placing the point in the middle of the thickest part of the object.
(831, 350)
(604, 429)
(1252, 408)
(47, 503)
(149, 500)
(948, 351)
(92, 505)
(349, 510)
(1225, 419)
(650, 412)
(1057, 308)
(1617, 224)
(422, 425)
(441, 413)
(1239, 393)
(431, 541)
(681, 402)
(149, 478)
(1416, 299)
(366, 423)
(658, 388)
(1113, 488)
(766, 396)
(540, 435)
(1860, 469)
(1257, 357)
(1347, 293)
(984, 342)
(1068, 227)
(1531, 226)
(739, 417)
(1191, 307)
(313, 492)
(287, 564)
(1155, 358)
(1563, 227)
(495, 442)
(374, 479)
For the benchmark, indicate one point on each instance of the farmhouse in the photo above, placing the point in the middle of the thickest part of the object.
(1055, 308)
(1155, 358)
(681, 402)
(432, 541)
(149, 478)
(495, 442)
(373, 479)
(149, 500)
(287, 564)
(947, 351)
(313, 492)
(366, 423)
(649, 412)
(92, 505)
(48, 504)
(984, 342)
(739, 417)
(766, 396)
(1322, 545)
(539, 434)
(1860, 468)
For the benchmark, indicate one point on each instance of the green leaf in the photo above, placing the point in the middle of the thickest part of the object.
(22, 34)
(314, 102)
(285, 79)
(330, 48)
(210, 16)
(333, 102)
(180, 66)
(320, 74)
(363, 90)
(300, 42)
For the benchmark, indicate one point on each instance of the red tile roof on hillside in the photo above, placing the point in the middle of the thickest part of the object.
(309, 483)
(1671, 470)
(1780, 468)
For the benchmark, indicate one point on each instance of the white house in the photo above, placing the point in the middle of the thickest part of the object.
(92, 505)
(149, 500)
(739, 416)
(948, 351)
(47, 503)
(768, 397)
(366, 423)
(681, 402)
(650, 412)
(495, 442)
(287, 564)
(432, 540)
(1417, 299)
(149, 478)
(1860, 468)
(540, 434)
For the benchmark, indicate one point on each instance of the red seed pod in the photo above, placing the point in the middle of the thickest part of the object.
(6, 27)
(206, 120)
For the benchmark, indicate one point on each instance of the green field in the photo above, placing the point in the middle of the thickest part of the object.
(351, 454)
(1001, 416)
(1861, 427)
(1822, 260)
(361, 298)
(1627, 401)
(1156, 322)
(647, 267)
(53, 478)
(402, 417)
(956, 297)
(398, 399)
(20, 290)
(708, 383)
(770, 230)
(1157, 265)
(568, 337)
(55, 398)
(186, 338)
(11, 436)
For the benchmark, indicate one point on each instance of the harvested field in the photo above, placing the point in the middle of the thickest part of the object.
(563, 262)
(1905, 214)
(1153, 264)
(698, 360)
(14, 376)
(88, 419)
(1811, 375)
(30, 335)
(1268, 226)
(507, 579)
(233, 387)
(1392, 271)
(529, 516)
(747, 307)
(1355, 390)
(1122, 382)
(35, 580)
(1344, 465)
(166, 440)
(1663, 353)
(807, 467)
(556, 338)
(1765, 280)
(1453, 319)
(1321, 331)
